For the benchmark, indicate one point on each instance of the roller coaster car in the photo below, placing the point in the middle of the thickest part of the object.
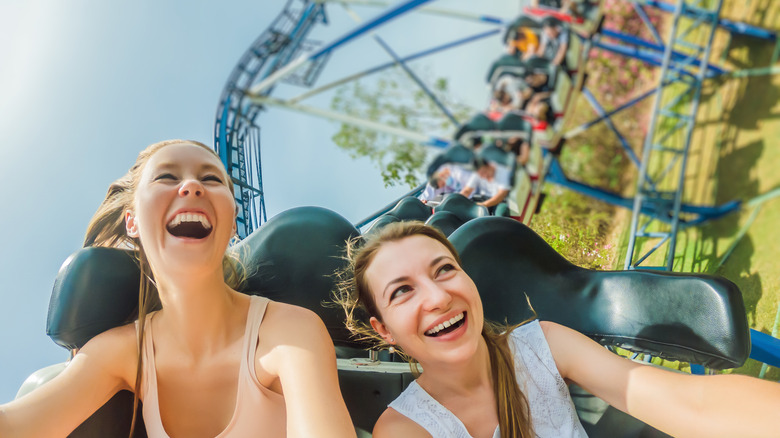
(582, 10)
(694, 318)
(455, 153)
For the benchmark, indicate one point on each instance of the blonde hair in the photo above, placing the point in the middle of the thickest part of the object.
(355, 297)
(107, 229)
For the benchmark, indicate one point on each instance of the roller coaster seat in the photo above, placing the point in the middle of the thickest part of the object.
(456, 153)
(505, 65)
(462, 207)
(521, 21)
(515, 122)
(694, 318)
(538, 64)
(380, 223)
(411, 209)
(478, 123)
(445, 221)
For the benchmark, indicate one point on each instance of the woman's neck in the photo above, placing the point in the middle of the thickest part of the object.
(443, 381)
(200, 313)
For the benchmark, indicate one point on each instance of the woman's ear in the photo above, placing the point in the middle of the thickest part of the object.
(380, 328)
(131, 224)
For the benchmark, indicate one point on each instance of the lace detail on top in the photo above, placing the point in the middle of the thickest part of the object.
(552, 410)
(259, 412)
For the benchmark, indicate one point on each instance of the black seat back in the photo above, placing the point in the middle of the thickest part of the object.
(478, 123)
(380, 223)
(445, 221)
(462, 207)
(96, 289)
(506, 64)
(515, 122)
(411, 209)
(694, 318)
(292, 258)
(456, 153)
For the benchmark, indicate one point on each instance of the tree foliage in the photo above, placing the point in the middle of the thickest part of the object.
(395, 100)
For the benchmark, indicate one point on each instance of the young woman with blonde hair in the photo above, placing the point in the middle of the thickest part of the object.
(211, 361)
(482, 381)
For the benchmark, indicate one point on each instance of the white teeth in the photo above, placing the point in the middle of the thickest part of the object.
(445, 324)
(190, 217)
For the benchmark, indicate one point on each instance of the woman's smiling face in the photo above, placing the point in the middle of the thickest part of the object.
(183, 207)
(428, 305)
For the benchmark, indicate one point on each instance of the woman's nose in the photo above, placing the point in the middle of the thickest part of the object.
(436, 297)
(191, 187)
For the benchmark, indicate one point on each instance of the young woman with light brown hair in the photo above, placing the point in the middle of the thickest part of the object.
(482, 381)
(211, 361)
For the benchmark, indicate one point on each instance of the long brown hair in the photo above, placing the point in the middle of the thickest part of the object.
(355, 297)
(107, 228)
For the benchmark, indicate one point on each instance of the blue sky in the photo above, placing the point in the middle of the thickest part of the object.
(85, 85)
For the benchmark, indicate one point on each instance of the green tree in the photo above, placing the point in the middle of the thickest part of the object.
(389, 100)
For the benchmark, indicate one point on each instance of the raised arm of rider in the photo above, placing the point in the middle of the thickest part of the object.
(681, 405)
(101, 368)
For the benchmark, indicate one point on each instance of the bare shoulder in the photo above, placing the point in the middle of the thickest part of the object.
(556, 333)
(115, 351)
(394, 424)
(295, 325)
(549, 327)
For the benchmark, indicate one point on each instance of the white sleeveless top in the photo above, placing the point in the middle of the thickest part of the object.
(552, 410)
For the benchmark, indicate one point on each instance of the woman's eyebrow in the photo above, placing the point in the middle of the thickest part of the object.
(434, 262)
(397, 280)
(211, 167)
(166, 166)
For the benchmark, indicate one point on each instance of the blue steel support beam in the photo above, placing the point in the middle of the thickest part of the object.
(732, 26)
(600, 111)
(295, 37)
(689, 135)
(650, 56)
(556, 175)
(680, 112)
(429, 10)
(703, 213)
(640, 10)
(418, 81)
(639, 42)
(387, 65)
(579, 129)
(371, 24)
(764, 348)
(383, 18)
(222, 145)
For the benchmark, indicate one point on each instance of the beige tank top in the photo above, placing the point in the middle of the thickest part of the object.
(259, 412)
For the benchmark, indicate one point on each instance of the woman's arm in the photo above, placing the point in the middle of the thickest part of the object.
(676, 403)
(306, 366)
(91, 378)
(495, 199)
